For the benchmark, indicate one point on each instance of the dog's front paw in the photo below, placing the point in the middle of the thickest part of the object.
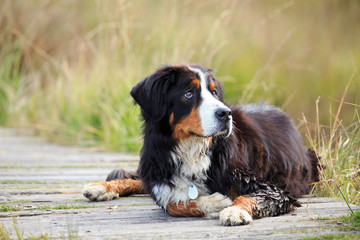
(95, 192)
(234, 216)
(213, 204)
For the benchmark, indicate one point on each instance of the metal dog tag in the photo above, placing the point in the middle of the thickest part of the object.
(193, 192)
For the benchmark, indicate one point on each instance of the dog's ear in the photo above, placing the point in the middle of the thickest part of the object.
(151, 93)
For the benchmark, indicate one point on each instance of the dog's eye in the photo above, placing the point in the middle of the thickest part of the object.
(189, 94)
(215, 92)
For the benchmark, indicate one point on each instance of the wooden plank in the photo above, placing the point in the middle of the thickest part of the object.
(44, 182)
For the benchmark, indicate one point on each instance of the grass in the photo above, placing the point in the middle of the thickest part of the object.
(65, 206)
(334, 236)
(71, 81)
(350, 223)
(349, 228)
(37, 182)
(5, 235)
(339, 148)
(121, 165)
(10, 208)
(21, 182)
(18, 207)
(69, 78)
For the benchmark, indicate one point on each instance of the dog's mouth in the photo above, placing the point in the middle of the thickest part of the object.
(224, 130)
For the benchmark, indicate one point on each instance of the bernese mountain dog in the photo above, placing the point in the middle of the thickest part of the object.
(203, 158)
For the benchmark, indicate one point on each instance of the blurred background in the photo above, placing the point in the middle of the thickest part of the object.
(66, 67)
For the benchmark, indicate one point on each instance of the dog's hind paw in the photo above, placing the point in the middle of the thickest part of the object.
(95, 192)
(234, 216)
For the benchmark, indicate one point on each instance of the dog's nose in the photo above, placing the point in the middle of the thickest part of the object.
(223, 114)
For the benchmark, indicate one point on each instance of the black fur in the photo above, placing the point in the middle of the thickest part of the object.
(265, 151)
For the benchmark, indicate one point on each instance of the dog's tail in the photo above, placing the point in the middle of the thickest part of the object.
(122, 174)
(315, 165)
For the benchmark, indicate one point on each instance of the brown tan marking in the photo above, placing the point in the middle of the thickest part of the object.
(171, 119)
(123, 187)
(189, 124)
(195, 83)
(181, 210)
(246, 203)
(212, 86)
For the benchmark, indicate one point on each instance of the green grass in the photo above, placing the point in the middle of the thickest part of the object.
(39, 183)
(334, 236)
(121, 165)
(349, 224)
(5, 234)
(22, 182)
(339, 148)
(65, 206)
(69, 79)
(9, 208)
(352, 222)
(71, 82)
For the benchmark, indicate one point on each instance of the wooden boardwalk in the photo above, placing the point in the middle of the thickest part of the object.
(41, 184)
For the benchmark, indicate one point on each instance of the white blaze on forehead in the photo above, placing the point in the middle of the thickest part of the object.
(208, 106)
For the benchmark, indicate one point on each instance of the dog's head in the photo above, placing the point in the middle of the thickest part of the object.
(185, 98)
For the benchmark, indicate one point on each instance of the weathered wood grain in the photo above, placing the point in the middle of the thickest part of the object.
(39, 179)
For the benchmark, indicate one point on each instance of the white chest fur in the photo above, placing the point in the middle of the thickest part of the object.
(192, 161)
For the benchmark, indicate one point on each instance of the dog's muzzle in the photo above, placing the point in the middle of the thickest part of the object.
(223, 115)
